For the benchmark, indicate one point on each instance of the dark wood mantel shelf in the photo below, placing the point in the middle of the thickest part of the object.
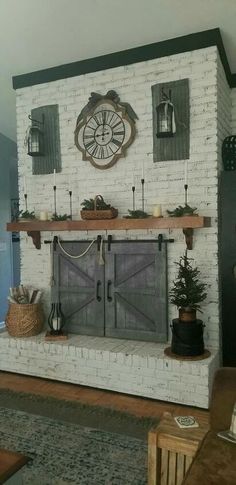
(187, 223)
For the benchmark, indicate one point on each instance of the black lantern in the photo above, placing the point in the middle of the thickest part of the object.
(56, 319)
(35, 138)
(165, 116)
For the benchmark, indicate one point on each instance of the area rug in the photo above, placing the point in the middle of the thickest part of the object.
(71, 443)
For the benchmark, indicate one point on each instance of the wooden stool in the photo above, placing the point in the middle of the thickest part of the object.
(10, 465)
(171, 450)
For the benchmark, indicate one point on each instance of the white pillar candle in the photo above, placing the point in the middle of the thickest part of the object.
(54, 177)
(43, 216)
(56, 323)
(186, 173)
(157, 212)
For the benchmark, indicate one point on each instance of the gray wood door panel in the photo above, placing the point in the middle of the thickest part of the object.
(80, 288)
(136, 291)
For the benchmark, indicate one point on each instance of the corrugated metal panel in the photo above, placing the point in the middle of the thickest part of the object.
(52, 157)
(176, 147)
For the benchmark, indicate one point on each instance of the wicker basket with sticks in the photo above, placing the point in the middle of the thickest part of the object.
(24, 320)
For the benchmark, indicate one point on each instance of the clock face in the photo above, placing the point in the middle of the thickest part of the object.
(104, 134)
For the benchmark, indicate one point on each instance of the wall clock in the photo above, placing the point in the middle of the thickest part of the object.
(104, 130)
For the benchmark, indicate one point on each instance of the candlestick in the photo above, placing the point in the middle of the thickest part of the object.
(186, 194)
(55, 200)
(133, 190)
(70, 195)
(142, 182)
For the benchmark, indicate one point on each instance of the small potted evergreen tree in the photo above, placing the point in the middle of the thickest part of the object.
(187, 293)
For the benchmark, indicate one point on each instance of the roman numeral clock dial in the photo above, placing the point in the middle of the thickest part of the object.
(104, 132)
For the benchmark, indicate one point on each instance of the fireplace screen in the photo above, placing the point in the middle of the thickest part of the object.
(119, 293)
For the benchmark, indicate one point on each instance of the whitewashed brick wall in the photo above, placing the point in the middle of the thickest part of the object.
(164, 180)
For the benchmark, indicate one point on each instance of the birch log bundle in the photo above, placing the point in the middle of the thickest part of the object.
(24, 296)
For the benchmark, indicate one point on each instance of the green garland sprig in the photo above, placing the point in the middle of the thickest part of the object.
(181, 211)
(137, 214)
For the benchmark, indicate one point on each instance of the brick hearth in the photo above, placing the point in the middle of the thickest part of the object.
(138, 368)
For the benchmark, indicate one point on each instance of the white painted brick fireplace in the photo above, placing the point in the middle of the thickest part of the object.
(127, 366)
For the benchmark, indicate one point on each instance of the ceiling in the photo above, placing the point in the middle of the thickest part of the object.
(39, 34)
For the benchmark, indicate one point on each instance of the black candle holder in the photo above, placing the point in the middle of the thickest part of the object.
(26, 205)
(142, 183)
(133, 190)
(55, 199)
(186, 194)
(70, 195)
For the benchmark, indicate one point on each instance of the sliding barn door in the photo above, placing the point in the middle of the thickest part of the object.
(79, 283)
(136, 291)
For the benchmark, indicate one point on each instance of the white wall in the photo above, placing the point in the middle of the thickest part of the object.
(7, 158)
(164, 180)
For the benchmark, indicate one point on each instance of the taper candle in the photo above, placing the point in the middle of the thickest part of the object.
(54, 177)
(186, 173)
(25, 188)
(143, 171)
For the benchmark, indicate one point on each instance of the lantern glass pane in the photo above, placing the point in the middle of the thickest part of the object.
(35, 142)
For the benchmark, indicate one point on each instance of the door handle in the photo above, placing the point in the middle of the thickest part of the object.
(109, 297)
(98, 297)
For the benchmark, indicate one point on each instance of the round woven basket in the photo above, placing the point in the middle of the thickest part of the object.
(24, 320)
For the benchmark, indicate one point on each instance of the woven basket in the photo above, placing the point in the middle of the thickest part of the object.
(24, 320)
(106, 214)
(99, 214)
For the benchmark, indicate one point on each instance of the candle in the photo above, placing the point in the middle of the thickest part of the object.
(56, 323)
(186, 173)
(157, 212)
(143, 171)
(133, 181)
(54, 177)
(25, 189)
(43, 216)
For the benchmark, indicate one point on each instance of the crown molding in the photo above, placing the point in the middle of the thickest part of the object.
(186, 43)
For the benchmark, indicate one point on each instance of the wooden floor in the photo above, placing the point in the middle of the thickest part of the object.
(137, 406)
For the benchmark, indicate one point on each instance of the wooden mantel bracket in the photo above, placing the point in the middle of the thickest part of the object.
(188, 232)
(36, 238)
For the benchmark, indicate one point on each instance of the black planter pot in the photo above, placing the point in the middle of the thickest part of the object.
(187, 338)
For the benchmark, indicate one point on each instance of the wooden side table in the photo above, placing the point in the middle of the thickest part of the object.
(10, 467)
(171, 450)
